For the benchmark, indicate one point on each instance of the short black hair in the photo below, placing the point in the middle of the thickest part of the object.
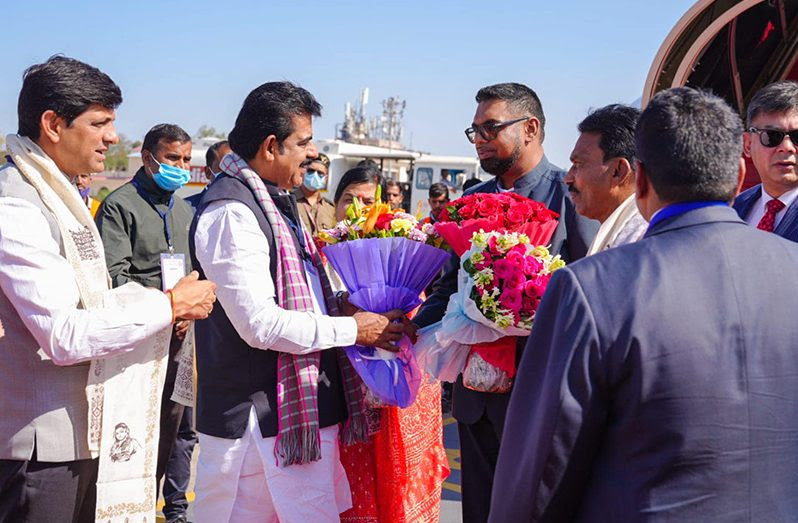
(210, 154)
(168, 132)
(64, 85)
(471, 182)
(778, 97)
(438, 189)
(393, 183)
(358, 175)
(269, 110)
(690, 144)
(518, 97)
(366, 162)
(616, 125)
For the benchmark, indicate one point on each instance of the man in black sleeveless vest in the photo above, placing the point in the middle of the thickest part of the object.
(246, 221)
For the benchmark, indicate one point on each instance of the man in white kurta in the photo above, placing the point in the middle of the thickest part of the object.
(601, 178)
(247, 226)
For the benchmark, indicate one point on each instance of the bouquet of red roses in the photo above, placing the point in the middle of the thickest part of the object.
(505, 212)
(505, 266)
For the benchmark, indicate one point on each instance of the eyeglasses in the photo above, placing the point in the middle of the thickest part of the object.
(774, 137)
(490, 131)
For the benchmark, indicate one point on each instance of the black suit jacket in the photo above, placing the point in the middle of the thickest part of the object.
(571, 239)
(788, 226)
(660, 382)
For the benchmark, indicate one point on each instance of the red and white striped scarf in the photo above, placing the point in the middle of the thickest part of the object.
(298, 375)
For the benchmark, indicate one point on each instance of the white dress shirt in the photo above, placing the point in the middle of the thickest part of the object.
(41, 285)
(758, 209)
(234, 253)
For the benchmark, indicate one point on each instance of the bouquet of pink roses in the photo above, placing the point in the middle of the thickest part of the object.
(502, 278)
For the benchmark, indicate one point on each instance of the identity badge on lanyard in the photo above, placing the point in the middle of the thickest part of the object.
(173, 265)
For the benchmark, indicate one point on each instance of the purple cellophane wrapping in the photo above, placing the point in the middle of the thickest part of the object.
(382, 274)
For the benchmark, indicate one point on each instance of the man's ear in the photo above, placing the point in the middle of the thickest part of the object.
(532, 129)
(268, 148)
(642, 185)
(740, 178)
(50, 126)
(642, 190)
(149, 160)
(747, 144)
(623, 172)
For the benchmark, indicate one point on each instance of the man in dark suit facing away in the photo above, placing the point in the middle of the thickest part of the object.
(660, 380)
(508, 131)
(771, 141)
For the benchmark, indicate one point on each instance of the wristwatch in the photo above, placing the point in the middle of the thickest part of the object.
(339, 300)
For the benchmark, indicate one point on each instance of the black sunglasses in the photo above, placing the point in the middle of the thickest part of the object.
(490, 131)
(774, 137)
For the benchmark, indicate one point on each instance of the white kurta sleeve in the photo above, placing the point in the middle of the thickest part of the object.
(40, 284)
(234, 253)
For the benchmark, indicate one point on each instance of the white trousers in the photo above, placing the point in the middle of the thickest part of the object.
(238, 480)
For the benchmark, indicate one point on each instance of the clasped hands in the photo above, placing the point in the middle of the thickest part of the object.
(193, 299)
(379, 330)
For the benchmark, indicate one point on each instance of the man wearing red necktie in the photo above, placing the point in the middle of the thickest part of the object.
(772, 144)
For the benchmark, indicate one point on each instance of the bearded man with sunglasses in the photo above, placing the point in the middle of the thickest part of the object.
(772, 144)
(508, 132)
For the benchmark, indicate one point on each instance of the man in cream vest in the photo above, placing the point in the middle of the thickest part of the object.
(601, 179)
(58, 318)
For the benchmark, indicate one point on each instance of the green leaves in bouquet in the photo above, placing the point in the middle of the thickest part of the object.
(468, 266)
(453, 214)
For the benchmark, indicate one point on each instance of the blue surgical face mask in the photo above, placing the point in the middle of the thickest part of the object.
(84, 193)
(314, 181)
(170, 178)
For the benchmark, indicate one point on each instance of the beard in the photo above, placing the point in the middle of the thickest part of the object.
(498, 166)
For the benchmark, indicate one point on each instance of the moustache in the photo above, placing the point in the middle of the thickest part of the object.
(573, 190)
(306, 163)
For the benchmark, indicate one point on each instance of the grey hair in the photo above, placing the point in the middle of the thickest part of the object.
(778, 97)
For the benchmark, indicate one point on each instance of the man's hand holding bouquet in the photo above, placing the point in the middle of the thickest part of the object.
(385, 260)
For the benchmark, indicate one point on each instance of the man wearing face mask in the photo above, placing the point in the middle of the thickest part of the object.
(316, 212)
(213, 157)
(83, 184)
(144, 228)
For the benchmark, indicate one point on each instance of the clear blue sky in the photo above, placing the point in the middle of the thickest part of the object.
(193, 62)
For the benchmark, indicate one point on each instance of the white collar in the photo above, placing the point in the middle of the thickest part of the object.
(613, 225)
(786, 198)
(628, 202)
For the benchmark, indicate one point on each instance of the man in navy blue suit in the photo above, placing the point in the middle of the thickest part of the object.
(772, 144)
(508, 131)
(660, 380)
